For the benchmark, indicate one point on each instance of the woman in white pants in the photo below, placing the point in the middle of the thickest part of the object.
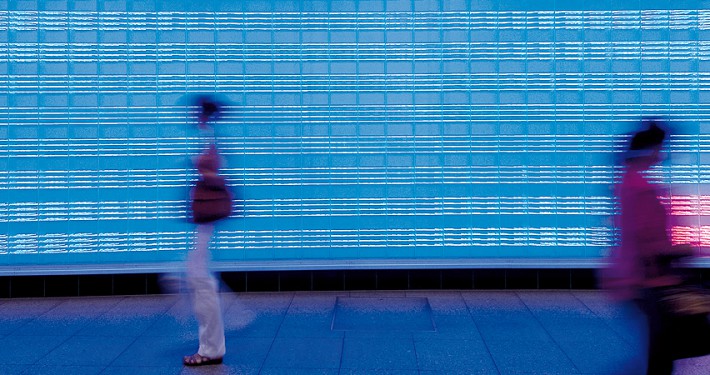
(211, 201)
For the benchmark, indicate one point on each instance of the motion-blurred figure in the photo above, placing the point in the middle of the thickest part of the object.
(211, 201)
(643, 268)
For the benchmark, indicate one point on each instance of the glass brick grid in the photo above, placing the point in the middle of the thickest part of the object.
(360, 129)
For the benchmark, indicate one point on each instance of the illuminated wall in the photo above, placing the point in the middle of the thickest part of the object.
(361, 129)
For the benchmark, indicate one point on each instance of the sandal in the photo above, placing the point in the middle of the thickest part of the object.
(198, 360)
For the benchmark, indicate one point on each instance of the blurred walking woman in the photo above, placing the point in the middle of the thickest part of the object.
(643, 268)
(211, 201)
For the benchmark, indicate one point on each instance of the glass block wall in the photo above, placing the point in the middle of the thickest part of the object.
(371, 129)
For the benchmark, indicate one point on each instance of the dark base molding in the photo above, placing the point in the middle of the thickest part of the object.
(331, 280)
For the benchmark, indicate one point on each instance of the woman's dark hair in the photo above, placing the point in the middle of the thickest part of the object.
(648, 138)
(209, 107)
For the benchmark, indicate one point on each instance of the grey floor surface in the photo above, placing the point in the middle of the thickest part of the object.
(412, 332)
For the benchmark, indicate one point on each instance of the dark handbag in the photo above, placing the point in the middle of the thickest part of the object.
(211, 200)
(684, 313)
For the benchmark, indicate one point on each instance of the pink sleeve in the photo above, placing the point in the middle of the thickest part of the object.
(648, 223)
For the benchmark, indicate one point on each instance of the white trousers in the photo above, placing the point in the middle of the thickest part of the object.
(205, 299)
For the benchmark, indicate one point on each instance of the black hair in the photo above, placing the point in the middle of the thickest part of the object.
(648, 138)
(209, 107)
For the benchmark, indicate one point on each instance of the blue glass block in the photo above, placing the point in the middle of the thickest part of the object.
(540, 35)
(427, 6)
(400, 130)
(342, 67)
(337, 36)
(484, 66)
(143, 131)
(23, 36)
(54, 132)
(165, 100)
(484, 98)
(113, 68)
(54, 101)
(623, 35)
(54, 68)
(460, 129)
(399, 36)
(237, 36)
(237, 68)
(372, 129)
(595, 66)
(142, 6)
(540, 97)
(483, 35)
(84, 163)
(314, 67)
(202, 68)
(371, 67)
(597, 34)
(21, 132)
(23, 5)
(510, 35)
(625, 97)
(51, 5)
(171, 36)
(143, 100)
(113, 5)
(346, 6)
(54, 36)
(143, 36)
(286, 131)
(114, 131)
(259, 37)
(512, 97)
(569, 128)
(398, 5)
(568, 66)
(399, 98)
(338, 98)
(655, 35)
(570, 97)
(201, 36)
(538, 158)
(84, 68)
(427, 160)
(313, 36)
(688, 65)
(370, 98)
(118, 163)
(654, 97)
(568, 35)
(287, 99)
(113, 100)
(460, 66)
(370, 36)
(399, 67)
(292, 37)
(84, 36)
(344, 130)
(511, 159)
(664, 4)
(29, 68)
(113, 36)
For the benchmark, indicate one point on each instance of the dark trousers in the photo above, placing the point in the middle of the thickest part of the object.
(672, 336)
(659, 357)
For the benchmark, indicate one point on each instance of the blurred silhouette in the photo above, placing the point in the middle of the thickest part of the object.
(211, 200)
(647, 270)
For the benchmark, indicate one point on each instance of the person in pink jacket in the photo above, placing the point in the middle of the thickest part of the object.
(640, 267)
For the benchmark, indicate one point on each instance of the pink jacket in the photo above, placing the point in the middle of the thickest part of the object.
(644, 235)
